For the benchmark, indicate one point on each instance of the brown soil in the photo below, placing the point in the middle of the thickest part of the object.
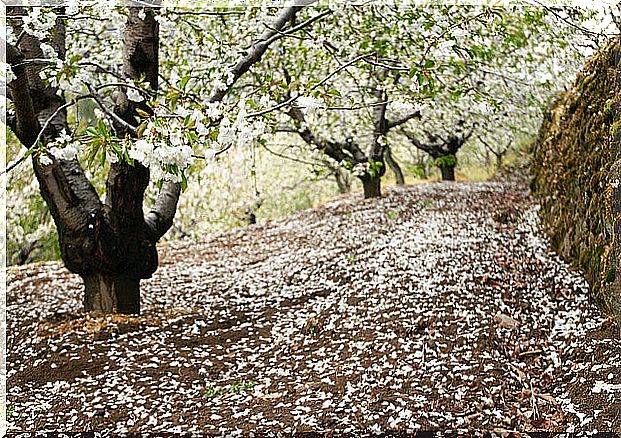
(438, 307)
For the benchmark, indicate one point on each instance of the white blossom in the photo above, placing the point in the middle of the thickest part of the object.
(48, 51)
(45, 160)
(68, 152)
(134, 95)
(8, 72)
(309, 104)
(141, 151)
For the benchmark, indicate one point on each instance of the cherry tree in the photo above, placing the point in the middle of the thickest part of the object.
(142, 131)
(369, 77)
(503, 81)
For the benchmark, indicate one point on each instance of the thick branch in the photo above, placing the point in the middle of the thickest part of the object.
(392, 163)
(433, 149)
(390, 124)
(41, 115)
(260, 46)
(126, 184)
(26, 123)
(334, 150)
(160, 218)
(68, 193)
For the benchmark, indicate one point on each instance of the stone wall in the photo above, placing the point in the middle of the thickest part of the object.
(577, 173)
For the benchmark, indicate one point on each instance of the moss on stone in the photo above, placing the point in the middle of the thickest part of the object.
(577, 173)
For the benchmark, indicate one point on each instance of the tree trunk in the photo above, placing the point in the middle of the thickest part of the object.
(499, 161)
(372, 186)
(394, 166)
(448, 172)
(108, 293)
(488, 159)
(110, 246)
(342, 180)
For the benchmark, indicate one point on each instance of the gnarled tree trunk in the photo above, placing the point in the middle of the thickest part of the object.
(105, 292)
(448, 172)
(342, 180)
(371, 186)
(112, 245)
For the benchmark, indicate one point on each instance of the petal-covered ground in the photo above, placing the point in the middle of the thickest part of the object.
(439, 306)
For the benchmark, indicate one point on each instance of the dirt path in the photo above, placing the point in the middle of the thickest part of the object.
(437, 307)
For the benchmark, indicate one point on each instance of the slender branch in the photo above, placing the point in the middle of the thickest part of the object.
(203, 13)
(25, 155)
(287, 157)
(447, 30)
(355, 107)
(101, 69)
(260, 46)
(33, 61)
(300, 26)
(105, 109)
(377, 63)
(220, 152)
(286, 34)
(314, 87)
(394, 123)
(574, 25)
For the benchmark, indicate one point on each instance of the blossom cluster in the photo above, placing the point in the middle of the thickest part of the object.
(309, 104)
(401, 108)
(358, 169)
(63, 148)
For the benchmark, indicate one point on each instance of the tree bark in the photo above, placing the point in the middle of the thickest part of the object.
(448, 172)
(342, 180)
(499, 158)
(109, 293)
(394, 166)
(372, 186)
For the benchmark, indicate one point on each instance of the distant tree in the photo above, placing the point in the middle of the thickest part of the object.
(441, 62)
(369, 166)
(443, 149)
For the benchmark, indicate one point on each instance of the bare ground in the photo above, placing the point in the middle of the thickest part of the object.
(438, 307)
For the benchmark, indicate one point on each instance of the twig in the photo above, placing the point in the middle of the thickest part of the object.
(105, 109)
(314, 87)
(294, 29)
(286, 157)
(223, 13)
(24, 156)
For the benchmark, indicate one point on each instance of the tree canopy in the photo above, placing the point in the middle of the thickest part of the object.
(124, 107)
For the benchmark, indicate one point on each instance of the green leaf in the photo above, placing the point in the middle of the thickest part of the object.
(420, 78)
(183, 82)
(140, 129)
(334, 92)
(142, 113)
(101, 128)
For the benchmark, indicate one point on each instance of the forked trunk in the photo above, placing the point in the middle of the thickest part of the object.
(111, 293)
(499, 161)
(448, 173)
